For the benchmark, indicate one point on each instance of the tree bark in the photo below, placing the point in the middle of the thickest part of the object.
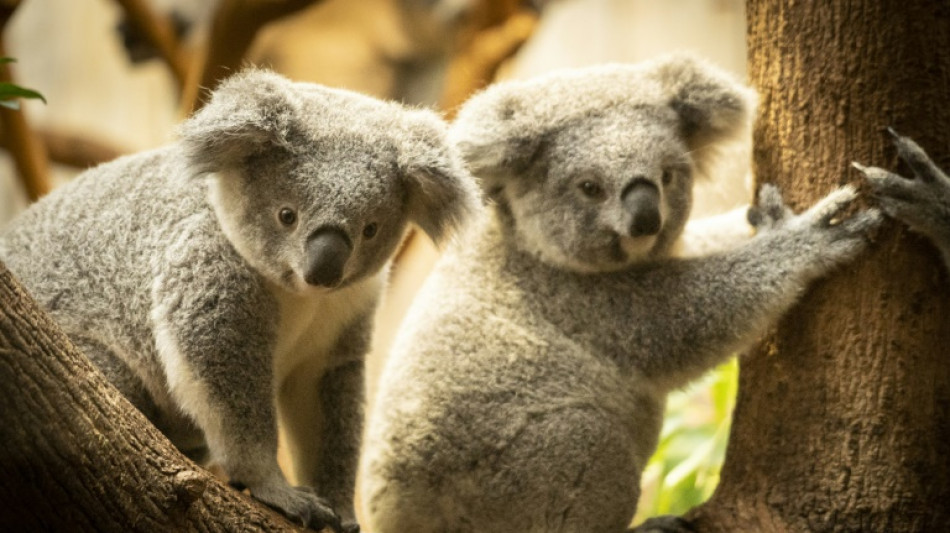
(843, 417)
(76, 456)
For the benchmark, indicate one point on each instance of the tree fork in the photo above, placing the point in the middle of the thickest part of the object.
(843, 417)
(76, 456)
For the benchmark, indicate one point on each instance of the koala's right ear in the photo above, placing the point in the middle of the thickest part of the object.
(495, 136)
(249, 112)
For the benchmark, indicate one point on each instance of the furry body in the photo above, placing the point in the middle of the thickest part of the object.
(230, 279)
(526, 387)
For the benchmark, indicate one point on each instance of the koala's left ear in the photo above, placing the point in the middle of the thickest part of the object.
(442, 193)
(252, 111)
(712, 106)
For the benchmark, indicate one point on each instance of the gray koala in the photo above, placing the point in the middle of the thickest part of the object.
(526, 386)
(922, 203)
(229, 280)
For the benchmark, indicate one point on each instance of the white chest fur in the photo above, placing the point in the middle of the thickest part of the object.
(310, 325)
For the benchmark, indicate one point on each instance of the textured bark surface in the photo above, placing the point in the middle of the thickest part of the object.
(76, 456)
(843, 416)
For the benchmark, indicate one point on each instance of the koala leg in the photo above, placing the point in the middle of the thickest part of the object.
(922, 202)
(322, 419)
(322, 416)
(219, 371)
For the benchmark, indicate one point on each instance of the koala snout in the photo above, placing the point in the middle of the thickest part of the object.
(327, 252)
(641, 199)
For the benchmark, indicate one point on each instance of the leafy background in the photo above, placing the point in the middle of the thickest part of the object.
(684, 471)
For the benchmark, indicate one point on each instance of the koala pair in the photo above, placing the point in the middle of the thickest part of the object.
(526, 387)
(229, 280)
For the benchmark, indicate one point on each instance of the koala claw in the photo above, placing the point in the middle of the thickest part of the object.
(917, 159)
(664, 524)
(922, 201)
(300, 505)
(826, 211)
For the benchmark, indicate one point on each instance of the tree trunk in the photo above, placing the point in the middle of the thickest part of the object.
(76, 456)
(843, 416)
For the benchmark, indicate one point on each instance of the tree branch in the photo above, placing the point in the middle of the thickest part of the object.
(77, 456)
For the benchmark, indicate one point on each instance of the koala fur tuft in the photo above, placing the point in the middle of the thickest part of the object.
(229, 280)
(525, 389)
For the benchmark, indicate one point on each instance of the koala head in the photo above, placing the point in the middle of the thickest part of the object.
(314, 186)
(593, 168)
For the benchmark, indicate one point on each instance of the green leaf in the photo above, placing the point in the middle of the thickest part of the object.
(4, 60)
(9, 90)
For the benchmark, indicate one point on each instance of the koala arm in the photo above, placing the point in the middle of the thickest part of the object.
(323, 415)
(216, 350)
(716, 305)
(921, 202)
(714, 234)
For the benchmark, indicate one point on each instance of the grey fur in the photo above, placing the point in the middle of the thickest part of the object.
(921, 202)
(525, 389)
(172, 270)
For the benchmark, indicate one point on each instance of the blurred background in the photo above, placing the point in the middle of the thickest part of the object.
(118, 75)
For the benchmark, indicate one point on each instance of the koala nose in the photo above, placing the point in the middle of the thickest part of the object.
(641, 199)
(327, 252)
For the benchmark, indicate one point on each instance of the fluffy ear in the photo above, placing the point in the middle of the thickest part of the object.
(248, 112)
(442, 193)
(497, 135)
(712, 106)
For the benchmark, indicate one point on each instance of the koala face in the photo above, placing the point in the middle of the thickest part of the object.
(603, 192)
(592, 169)
(315, 187)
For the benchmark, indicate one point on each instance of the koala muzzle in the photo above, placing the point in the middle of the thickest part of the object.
(641, 199)
(327, 252)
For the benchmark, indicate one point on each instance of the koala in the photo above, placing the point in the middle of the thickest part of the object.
(922, 202)
(525, 389)
(228, 281)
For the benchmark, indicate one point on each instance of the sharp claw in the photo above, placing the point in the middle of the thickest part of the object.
(861, 168)
(893, 133)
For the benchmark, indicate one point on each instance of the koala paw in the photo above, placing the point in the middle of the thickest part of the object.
(770, 212)
(841, 238)
(923, 201)
(822, 235)
(300, 505)
(664, 524)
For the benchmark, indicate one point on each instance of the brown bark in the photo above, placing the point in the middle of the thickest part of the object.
(76, 456)
(843, 416)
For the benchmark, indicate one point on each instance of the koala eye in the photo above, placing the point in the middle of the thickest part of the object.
(287, 216)
(370, 230)
(591, 189)
(667, 176)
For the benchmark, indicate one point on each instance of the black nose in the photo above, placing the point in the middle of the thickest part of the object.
(327, 252)
(642, 200)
